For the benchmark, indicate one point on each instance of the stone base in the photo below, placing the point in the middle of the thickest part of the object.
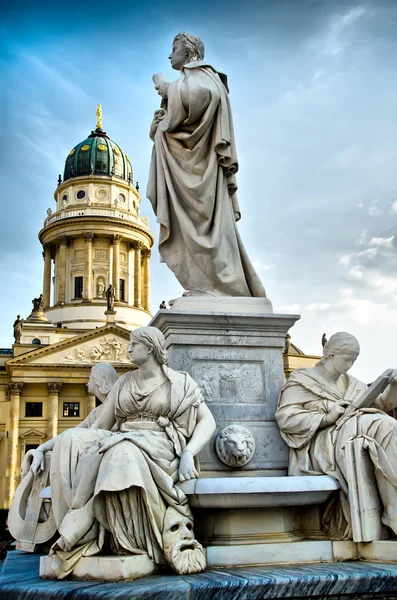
(223, 304)
(354, 580)
(105, 568)
(237, 360)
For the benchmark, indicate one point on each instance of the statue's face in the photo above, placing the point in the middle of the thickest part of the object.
(182, 552)
(178, 56)
(138, 352)
(92, 388)
(344, 362)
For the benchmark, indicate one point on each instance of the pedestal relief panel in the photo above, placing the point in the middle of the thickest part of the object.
(237, 359)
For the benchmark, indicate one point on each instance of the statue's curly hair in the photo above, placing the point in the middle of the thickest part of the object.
(193, 45)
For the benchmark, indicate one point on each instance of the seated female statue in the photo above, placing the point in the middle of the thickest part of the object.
(119, 489)
(310, 406)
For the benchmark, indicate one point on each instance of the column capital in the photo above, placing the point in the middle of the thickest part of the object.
(88, 236)
(146, 253)
(63, 240)
(15, 388)
(54, 388)
(137, 245)
(116, 238)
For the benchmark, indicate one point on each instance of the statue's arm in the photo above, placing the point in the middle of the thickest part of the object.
(202, 433)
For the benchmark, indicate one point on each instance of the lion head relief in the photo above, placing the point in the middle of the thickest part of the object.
(235, 445)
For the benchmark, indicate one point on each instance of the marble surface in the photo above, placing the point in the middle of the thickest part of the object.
(237, 360)
(223, 304)
(19, 580)
(229, 492)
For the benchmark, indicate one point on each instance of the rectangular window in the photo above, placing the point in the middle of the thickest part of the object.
(71, 409)
(34, 409)
(31, 447)
(78, 287)
(122, 290)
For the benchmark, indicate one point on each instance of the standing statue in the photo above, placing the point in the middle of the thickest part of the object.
(100, 288)
(192, 184)
(324, 339)
(38, 304)
(18, 329)
(110, 295)
(126, 483)
(331, 430)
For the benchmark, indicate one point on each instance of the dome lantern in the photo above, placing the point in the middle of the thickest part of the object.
(98, 155)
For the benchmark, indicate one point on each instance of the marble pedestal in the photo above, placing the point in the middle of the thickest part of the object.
(105, 568)
(233, 348)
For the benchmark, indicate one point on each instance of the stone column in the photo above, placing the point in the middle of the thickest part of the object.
(137, 274)
(62, 240)
(87, 292)
(53, 390)
(115, 240)
(15, 391)
(47, 276)
(146, 254)
(91, 400)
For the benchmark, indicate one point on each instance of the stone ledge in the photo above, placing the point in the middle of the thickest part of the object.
(353, 580)
(251, 492)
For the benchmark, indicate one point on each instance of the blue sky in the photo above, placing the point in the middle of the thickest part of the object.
(313, 86)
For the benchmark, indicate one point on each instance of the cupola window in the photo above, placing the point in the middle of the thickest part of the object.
(80, 194)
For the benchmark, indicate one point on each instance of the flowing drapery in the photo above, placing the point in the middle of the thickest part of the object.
(192, 188)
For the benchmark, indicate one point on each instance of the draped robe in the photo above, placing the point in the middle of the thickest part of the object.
(117, 486)
(192, 188)
(314, 450)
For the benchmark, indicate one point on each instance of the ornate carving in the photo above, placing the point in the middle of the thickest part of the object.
(235, 445)
(101, 254)
(54, 388)
(116, 238)
(104, 350)
(146, 253)
(137, 245)
(230, 382)
(88, 236)
(15, 388)
(63, 240)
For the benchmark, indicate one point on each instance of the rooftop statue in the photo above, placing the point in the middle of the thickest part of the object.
(192, 185)
(120, 476)
(18, 329)
(335, 425)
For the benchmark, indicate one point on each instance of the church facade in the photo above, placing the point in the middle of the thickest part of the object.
(95, 238)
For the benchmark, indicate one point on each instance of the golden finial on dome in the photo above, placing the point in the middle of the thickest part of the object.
(99, 117)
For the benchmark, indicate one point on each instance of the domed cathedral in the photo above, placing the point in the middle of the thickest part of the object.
(96, 238)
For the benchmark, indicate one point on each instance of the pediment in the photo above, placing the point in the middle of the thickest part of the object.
(107, 344)
(33, 433)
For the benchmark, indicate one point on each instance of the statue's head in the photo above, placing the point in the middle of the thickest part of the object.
(102, 378)
(235, 445)
(186, 48)
(145, 341)
(182, 552)
(340, 352)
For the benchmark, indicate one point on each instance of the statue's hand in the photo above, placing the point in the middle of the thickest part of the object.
(336, 411)
(187, 469)
(392, 375)
(162, 89)
(38, 462)
(157, 117)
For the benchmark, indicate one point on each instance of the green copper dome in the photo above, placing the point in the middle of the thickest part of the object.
(98, 155)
